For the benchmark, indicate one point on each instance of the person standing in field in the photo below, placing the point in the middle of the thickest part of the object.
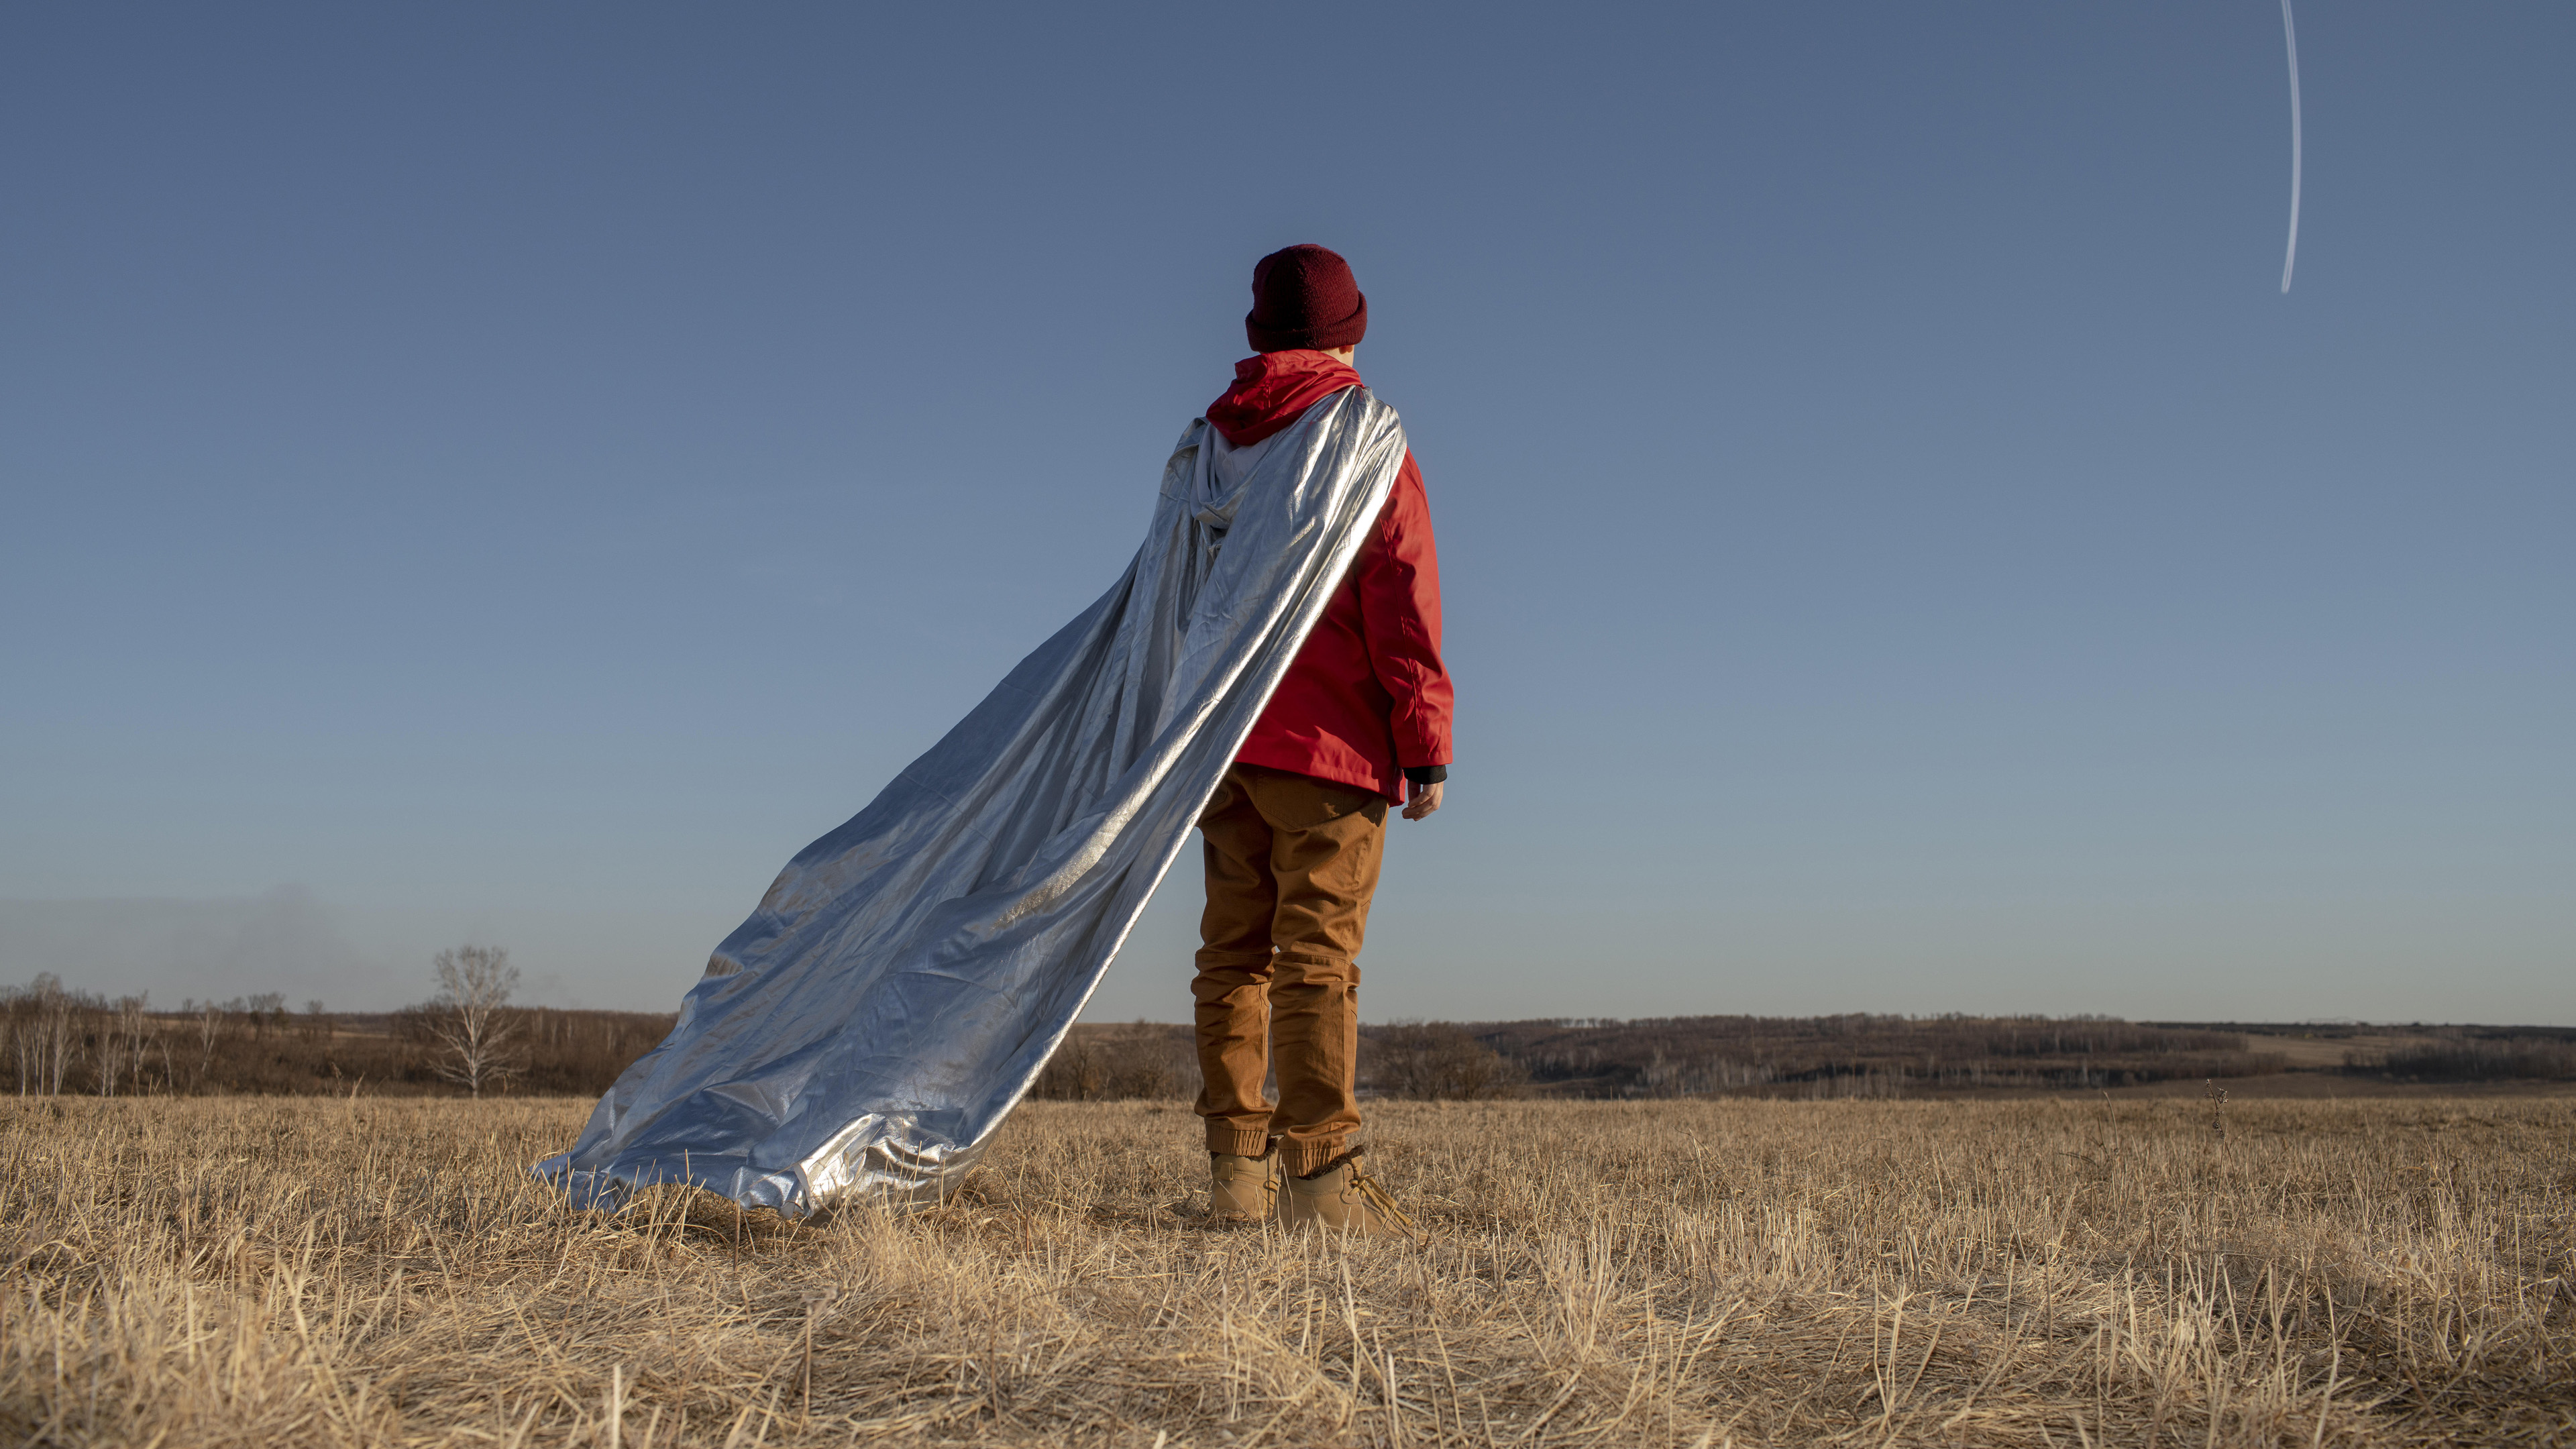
(1295, 832)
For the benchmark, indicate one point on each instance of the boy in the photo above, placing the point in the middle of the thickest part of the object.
(1295, 832)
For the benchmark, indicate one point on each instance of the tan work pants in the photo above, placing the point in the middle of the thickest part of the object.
(1291, 864)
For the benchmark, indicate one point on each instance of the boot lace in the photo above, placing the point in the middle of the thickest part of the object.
(1379, 1200)
(1381, 1203)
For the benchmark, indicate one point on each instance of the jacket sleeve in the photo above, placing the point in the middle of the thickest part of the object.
(1400, 611)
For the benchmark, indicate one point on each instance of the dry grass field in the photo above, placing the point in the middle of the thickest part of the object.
(2071, 1272)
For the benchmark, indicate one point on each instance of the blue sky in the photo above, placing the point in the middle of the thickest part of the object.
(519, 473)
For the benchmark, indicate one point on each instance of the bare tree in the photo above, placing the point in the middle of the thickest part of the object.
(42, 1029)
(23, 1052)
(111, 1057)
(210, 1029)
(266, 1010)
(124, 1045)
(1438, 1061)
(477, 1031)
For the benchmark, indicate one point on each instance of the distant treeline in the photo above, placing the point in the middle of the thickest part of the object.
(59, 1041)
(1859, 1055)
(2438, 1053)
(62, 1041)
(2475, 1054)
(1800, 1057)
(1825, 1056)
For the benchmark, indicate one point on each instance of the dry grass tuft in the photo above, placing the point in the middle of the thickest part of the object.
(296, 1272)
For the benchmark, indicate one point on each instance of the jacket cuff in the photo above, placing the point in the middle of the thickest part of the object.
(1426, 774)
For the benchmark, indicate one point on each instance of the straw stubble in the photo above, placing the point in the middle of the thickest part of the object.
(295, 1272)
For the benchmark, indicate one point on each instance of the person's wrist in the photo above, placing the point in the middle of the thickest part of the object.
(1426, 774)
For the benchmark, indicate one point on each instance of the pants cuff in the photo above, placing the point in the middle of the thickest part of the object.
(1237, 1141)
(1304, 1159)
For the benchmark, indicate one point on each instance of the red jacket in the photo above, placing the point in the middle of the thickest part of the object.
(1368, 697)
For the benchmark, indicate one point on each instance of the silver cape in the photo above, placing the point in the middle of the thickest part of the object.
(895, 994)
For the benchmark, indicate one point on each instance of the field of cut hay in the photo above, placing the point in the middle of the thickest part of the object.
(2076, 1272)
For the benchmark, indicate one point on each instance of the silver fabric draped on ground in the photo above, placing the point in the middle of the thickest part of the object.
(908, 974)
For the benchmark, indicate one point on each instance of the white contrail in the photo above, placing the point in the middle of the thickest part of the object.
(2290, 33)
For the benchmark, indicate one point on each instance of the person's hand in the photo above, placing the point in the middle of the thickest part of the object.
(1420, 800)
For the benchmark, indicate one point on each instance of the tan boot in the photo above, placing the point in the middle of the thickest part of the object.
(1344, 1201)
(1240, 1189)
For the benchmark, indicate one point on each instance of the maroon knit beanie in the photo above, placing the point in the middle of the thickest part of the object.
(1303, 296)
